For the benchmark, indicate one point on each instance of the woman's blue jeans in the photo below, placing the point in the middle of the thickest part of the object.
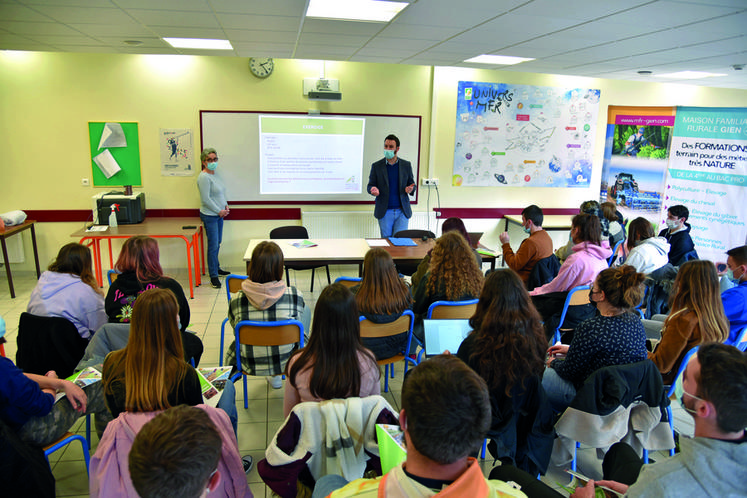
(214, 232)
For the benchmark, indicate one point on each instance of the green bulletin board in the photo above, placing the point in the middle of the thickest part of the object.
(127, 157)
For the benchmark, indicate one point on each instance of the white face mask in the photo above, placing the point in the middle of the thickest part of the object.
(672, 224)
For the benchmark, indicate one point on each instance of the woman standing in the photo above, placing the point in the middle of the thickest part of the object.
(334, 364)
(382, 297)
(69, 290)
(507, 349)
(696, 316)
(213, 208)
(614, 337)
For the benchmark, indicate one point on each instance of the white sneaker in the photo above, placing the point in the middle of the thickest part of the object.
(276, 381)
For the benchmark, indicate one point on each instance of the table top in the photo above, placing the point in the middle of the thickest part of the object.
(341, 249)
(8, 231)
(549, 222)
(152, 227)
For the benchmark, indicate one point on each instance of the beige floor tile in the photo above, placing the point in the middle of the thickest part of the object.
(252, 436)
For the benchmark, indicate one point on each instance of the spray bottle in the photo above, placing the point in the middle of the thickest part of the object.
(113, 215)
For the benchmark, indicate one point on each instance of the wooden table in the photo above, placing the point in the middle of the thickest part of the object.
(158, 228)
(550, 222)
(9, 232)
(347, 252)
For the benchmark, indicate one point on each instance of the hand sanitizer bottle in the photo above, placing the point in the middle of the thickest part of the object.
(113, 216)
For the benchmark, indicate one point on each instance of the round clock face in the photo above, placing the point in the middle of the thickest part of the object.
(261, 66)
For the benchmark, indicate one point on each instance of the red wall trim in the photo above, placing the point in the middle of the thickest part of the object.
(83, 215)
(475, 213)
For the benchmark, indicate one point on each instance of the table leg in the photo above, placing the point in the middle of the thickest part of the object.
(189, 269)
(196, 252)
(7, 269)
(36, 252)
(111, 255)
(96, 247)
(202, 250)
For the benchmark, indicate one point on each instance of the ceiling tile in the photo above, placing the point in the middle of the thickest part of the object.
(32, 28)
(87, 15)
(265, 23)
(261, 36)
(311, 25)
(333, 40)
(260, 7)
(390, 43)
(15, 12)
(175, 18)
(419, 32)
(182, 32)
(177, 5)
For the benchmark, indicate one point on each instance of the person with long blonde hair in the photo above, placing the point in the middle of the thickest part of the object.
(150, 373)
(382, 297)
(69, 290)
(696, 316)
(453, 276)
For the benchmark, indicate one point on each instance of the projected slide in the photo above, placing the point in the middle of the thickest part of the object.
(310, 155)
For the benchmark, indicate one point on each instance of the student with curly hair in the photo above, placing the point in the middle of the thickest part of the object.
(382, 297)
(614, 337)
(452, 224)
(507, 349)
(453, 276)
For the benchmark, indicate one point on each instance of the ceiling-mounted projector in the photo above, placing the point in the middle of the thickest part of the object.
(325, 95)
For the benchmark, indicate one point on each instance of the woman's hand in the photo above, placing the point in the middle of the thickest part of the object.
(75, 395)
(557, 350)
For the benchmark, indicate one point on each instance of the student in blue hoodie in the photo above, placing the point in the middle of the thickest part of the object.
(677, 234)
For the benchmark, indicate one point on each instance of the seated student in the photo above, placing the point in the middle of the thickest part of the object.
(69, 290)
(592, 208)
(714, 393)
(140, 270)
(696, 316)
(507, 331)
(453, 276)
(445, 416)
(735, 299)
(182, 451)
(677, 234)
(532, 249)
(646, 252)
(382, 297)
(452, 224)
(264, 297)
(614, 337)
(616, 230)
(334, 364)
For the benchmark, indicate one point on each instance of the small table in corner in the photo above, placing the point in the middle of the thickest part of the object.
(9, 232)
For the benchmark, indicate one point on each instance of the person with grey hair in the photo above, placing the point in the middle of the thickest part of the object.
(213, 208)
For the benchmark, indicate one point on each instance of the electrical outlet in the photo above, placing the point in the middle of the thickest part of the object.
(85, 182)
(430, 182)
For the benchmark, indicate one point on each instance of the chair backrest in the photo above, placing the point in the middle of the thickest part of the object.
(278, 333)
(576, 297)
(681, 370)
(543, 272)
(401, 324)
(612, 257)
(289, 232)
(233, 284)
(415, 234)
(48, 343)
(348, 281)
(741, 341)
(112, 275)
(452, 310)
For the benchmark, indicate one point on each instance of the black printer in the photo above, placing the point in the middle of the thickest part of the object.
(131, 208)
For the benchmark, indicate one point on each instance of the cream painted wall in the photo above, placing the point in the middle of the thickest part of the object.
(47, 99)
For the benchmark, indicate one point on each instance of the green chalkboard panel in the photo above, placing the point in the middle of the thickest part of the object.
(127, 157)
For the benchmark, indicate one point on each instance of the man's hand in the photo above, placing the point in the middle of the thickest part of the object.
(585, 492)
(409, 188)
(374, 191)
(614, 486)
(504, 237)
(75, 395)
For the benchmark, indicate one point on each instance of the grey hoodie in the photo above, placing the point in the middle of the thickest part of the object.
(649, 255)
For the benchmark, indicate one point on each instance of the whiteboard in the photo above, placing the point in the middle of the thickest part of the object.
(235, 136)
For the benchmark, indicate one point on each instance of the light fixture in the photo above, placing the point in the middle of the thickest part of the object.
(645, 72)
(133, 43)
(504, 60)
(689, 75)
(199, 43)
(355, 10)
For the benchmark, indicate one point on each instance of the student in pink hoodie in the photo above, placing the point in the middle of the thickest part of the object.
(265, 297)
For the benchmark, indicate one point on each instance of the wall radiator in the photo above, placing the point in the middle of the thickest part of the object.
(357, 224)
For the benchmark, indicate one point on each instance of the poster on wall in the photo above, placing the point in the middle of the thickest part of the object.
(636, 150)
(523, 135)
(708, 174)
(176, 149)
(115, 154)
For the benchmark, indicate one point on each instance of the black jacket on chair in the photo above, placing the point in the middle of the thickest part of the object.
(48, 343)
(543, 272)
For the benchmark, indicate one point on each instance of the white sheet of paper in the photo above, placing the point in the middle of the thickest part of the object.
(107, 164)
(112, 136)
(377, 243)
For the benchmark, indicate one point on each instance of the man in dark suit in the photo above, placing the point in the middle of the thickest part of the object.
(391, 182)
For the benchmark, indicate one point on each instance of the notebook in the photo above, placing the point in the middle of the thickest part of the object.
(442, 335)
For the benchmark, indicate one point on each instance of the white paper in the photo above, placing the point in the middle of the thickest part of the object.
(107, 164)
(377, 243)
(112, 136)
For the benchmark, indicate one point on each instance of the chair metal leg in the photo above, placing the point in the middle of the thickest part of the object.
(671, 426)
(222, 338)
(329, 280)
(575, 456)
(386, 378)
(484, 447)
(88, 429)
(287, 278)
(246, 393)
(312, 280)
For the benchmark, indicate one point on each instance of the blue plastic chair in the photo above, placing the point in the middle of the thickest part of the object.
(233, 284)
(402, 324)
(448, 310)
(671, 388)
(570, 300)
(611, 259)
(111, 276)
(254, 333)
(66, 439)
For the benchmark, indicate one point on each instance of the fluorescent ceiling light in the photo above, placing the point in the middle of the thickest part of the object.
(355, 10)
(688, 75)
(505, 60)
(202, 43)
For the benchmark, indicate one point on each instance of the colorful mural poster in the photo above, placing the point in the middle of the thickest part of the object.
(708, 174)
(636, 150)
(524, 136)
(176, 151)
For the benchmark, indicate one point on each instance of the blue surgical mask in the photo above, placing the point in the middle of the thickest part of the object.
(679, 393)
(388, 153)
(212, 166)
(671, 224)
(730, 275)
(527, 229)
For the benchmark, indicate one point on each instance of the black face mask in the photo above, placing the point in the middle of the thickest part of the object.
(591, 301)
